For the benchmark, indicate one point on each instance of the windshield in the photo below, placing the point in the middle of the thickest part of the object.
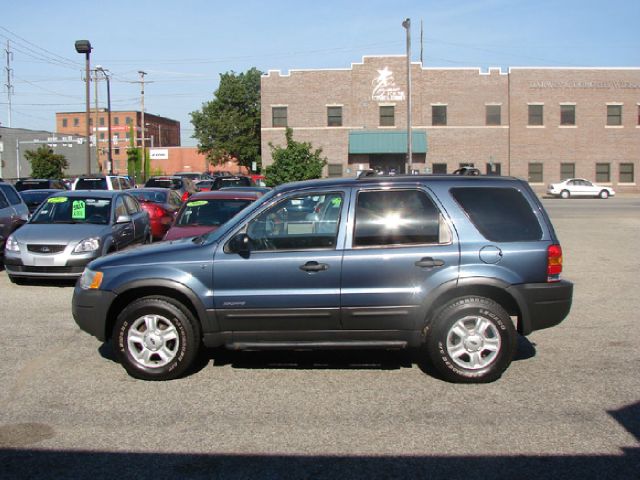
(32, 197)
(74, 210)
(210, 212)
(174, 183)
(91, 184)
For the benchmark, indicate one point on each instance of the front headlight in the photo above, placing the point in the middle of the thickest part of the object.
(88, 245)
(90, 279)
(12, 244)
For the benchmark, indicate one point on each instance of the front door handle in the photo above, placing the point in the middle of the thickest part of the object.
(314, 266)
(429, 262)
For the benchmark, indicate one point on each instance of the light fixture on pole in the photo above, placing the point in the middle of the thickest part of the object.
(407, 25)
(84, 46)
(106, 76)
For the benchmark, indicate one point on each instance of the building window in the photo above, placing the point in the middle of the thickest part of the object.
(614, 115)
(626, 173)
(101, 135)
(603, 172)
(439, 168)
(535, 173)
(334, 116)
(567, 170)
(128, 121)
(101, 121)
(76, 122)
(334, 170)
(494, 168)
(116, 120)
(567, 114)
(64, 122)
(116, 150)
(438, 115)
(493, 115)
(279, 116)
(535, 115)
(387, 116)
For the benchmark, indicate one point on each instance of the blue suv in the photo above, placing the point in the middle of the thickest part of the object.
(454, 265)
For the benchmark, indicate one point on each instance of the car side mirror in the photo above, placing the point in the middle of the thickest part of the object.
(240, 244)
(123, 219)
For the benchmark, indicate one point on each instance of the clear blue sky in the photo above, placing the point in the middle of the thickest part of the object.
(185, 45)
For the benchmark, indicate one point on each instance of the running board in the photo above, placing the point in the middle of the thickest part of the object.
(310, 345)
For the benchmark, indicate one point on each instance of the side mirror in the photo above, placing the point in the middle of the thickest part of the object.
(123, 219)
(240, 244)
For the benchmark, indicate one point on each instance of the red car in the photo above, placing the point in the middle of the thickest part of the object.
(204, 212)
(162, 205)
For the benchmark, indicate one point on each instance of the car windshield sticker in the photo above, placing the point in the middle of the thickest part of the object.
(57, 200)
(78, 211)
(197, 203)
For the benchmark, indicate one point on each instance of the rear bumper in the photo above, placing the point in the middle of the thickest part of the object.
(543, 305)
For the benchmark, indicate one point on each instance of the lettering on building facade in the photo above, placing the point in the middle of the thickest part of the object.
(385, 88)
(611, 85)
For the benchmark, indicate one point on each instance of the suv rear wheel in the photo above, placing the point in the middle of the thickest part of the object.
(156, 338)
(472, 340)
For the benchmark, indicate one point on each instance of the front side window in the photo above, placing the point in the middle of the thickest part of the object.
(499, 214)
(334, 116)
(535, 173)
(614, 115)
(438, 115)
(279, 116)
(298, 223)
(396, 218)
(387, 116)
(493, 115)
(536, 115)
(567, 114)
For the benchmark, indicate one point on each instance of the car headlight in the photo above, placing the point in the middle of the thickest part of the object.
(90, 279)
(88, 245)
(12, 244)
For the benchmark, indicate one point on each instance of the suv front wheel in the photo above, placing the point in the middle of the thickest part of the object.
(472, 340)
(156, 338)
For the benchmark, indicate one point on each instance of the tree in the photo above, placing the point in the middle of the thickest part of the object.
(134, 158)
(294, 162)
(45, 163)
(229, 125)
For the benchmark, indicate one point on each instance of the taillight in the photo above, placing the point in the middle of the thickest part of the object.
(185, 196)
(156, 211)
(554, 263)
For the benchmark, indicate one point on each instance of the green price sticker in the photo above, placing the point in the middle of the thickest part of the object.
(336, 201)
(197, 203)
(78, 210)
(57, 200)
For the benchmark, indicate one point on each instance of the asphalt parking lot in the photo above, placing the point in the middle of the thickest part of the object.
(568, 407)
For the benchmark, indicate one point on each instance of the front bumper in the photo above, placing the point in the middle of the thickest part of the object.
(90, 310)
(57, 266)
(543, 305)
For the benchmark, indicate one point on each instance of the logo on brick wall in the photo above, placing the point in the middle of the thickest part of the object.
(385, 88)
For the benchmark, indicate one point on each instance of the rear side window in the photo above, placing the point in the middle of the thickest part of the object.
(499, 214)
(398, 217)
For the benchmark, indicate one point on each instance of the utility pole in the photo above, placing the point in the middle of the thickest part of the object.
(95, 121)
(8, 84)
(144, 156)
(407, 25)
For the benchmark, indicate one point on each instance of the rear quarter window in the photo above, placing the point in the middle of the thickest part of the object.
(499, 214)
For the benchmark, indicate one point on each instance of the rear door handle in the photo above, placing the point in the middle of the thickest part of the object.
(314, 266)
(429, 262)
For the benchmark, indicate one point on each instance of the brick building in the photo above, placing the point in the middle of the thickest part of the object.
(541, 124)
(159, 132)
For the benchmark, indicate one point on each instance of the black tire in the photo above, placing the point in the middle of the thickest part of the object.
(471, 340)
(168, 351)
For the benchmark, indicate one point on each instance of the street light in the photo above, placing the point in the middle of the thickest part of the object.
(84, 46)
(407, 25)
(106, 76)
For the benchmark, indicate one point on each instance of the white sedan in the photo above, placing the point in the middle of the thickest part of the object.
(579, 187)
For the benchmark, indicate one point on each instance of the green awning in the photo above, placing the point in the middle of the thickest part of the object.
(367, 142)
